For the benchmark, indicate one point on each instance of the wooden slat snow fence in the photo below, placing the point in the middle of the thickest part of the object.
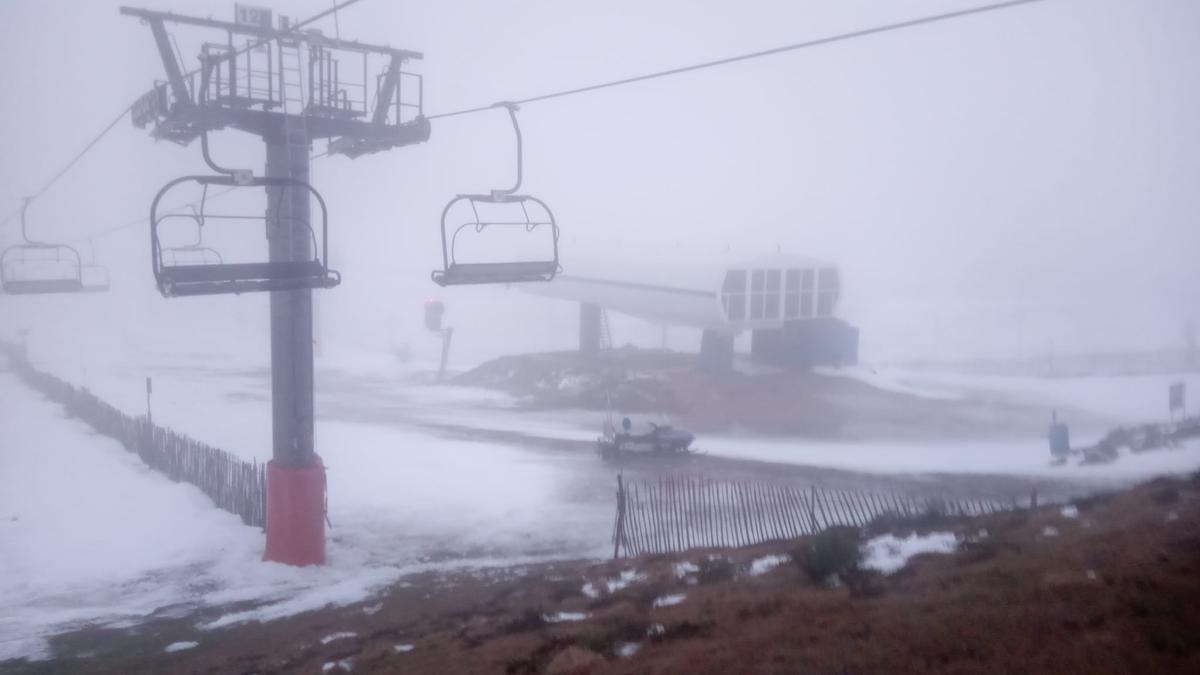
(233, 484)
(675, 514)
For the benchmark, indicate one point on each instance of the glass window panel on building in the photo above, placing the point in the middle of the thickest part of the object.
(772, 296)
(791, 294)
(828, 287)
(808, 286)
(757, 282)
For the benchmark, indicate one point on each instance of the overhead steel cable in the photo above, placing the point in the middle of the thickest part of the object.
(886, 28)
(332, 10)
(74, 160)
(842, 37)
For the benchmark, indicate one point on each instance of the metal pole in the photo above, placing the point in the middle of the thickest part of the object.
(447, 336)
(289, 237)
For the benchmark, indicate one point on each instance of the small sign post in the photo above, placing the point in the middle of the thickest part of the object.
(1176, 399)
(1060, 439)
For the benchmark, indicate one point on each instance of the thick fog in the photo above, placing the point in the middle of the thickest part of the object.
(1007, 184)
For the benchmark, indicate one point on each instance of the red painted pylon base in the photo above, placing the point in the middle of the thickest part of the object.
(296, 514)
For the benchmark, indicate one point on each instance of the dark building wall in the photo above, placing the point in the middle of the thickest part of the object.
(803, 344)
(716, 352)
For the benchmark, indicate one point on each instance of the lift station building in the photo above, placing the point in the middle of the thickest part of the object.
(788, 303)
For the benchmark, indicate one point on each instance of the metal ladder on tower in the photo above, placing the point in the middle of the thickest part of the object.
(606, 339)
(291, 89)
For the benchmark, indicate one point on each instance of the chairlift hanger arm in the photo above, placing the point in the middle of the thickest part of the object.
(512, 109)
(24, 227)
(241, 176)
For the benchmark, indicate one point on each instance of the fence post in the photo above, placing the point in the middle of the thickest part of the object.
(812, 508)
(619, 533)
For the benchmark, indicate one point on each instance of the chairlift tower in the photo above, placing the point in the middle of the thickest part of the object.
(287, 85)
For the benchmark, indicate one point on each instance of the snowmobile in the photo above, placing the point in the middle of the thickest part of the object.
(661, 439)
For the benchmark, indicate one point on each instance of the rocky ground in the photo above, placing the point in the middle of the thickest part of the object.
(1111, 585)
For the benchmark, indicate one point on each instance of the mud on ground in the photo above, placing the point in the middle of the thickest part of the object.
(1114, 589)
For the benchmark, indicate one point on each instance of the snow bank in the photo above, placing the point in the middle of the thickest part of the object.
(1122, 400)
(1024, 458)
(889, 553)
(1127, 399)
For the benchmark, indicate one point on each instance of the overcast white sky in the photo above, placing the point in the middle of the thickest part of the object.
(989, 186)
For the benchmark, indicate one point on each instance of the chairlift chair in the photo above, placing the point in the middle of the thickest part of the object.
(528, 213)
(35, 267)
(210, 274)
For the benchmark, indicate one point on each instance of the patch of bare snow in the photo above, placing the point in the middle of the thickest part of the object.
(766, 564)
(401, 649)
(627, 578)
(337, 636)
(180, 646)
(1049, 531)
(889, 553)
(669, 600)
(564, 616)
(1070, 511)
(685, 568)
(627, 649)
